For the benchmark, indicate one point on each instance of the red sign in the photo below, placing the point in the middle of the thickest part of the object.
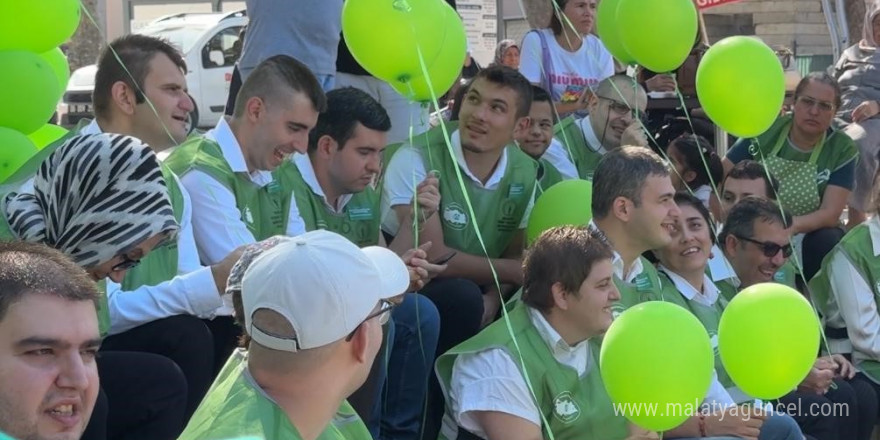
(706, 4)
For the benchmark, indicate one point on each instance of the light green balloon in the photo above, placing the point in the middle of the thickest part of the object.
(609, 31)
(741, 85)
(37, 25)
(46, 135)
(30, 91)
(16, 150)
(657, 353)
(566, 203)
(445, 69)
(658, 34)
(385, 36)
(768, 339)
(58, 61)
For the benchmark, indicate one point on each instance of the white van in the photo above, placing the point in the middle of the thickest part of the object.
(210, 46)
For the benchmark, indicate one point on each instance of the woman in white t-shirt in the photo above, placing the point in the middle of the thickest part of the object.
(565, 58)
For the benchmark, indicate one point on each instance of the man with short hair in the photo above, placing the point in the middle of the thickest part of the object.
(228, 171)
(634, 209)
(49, 339)
(747, 178)
(539, 137)
(313, 307)
(615, 109)
(333, 188)
(500, 182)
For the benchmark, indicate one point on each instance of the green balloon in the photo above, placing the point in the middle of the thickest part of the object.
(386, 36)
(445, 69)
(566, 203)
(768, 339)
(37, 25)
(658, 34)
(46, 135)
(741, 85)
(58, 61)
(657, 353)
(30, 91)
(17, 149)
(609, 31)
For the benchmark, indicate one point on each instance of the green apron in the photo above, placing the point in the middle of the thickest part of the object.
(798, 189)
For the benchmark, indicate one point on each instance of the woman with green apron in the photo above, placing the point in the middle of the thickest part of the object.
(813, 163)
(101, 200)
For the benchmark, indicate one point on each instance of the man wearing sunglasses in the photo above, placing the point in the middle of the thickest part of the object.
(614, 120)
(312, 307)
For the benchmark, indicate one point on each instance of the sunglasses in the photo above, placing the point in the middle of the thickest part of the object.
(768, 248)
(127, 263)
(383, 313)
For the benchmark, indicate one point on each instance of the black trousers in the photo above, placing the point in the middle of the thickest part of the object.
(847, 412)
(142, 397)
(226, 334)
(460, 304)
(817, 244)
(185, 340)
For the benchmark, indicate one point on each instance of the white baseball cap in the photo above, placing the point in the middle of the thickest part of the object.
(323, 284)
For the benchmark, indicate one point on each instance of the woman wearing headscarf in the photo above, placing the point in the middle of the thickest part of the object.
(101, 200)
(858, 73)
(507, 54)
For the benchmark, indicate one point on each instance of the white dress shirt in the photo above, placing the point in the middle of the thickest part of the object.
(191, 292)
(559, 157)
(217, 224)
(407, 169)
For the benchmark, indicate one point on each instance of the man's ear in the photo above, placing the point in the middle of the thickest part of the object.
(592, 102)
(326, 147)
(730, 243)
(622, 208)
(360, 343)
(123, 97)
(522, 127)
(255, 108)
(560, 298)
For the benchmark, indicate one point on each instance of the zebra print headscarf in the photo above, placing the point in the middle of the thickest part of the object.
(95, 197)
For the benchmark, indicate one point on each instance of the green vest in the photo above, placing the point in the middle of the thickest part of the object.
(499, 211)
(574, 407)
(708, 316)
(160, 264)
(548, 176)
(585, 157)
(645, 287)
(858, 249)
(261, 208)
(359, 220)
(234, 408)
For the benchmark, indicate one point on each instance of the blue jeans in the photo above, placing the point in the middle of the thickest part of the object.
(412, 341)
(776, 427)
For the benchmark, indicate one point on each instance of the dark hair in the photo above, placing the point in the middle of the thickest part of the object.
(457, 100)
(557, 24)
(564, 255)
(276, 74)
(622, 172)
(819, 77)
(684, 198)
(346, 107)
(741, 218)
(506, 77)
(695, 149)
(31, 268)
(752, 170)
(134, 52)
(541, 95)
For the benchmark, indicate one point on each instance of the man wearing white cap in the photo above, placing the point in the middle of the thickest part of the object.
(313, 307)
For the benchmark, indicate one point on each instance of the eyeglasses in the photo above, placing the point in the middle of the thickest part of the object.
(383, 313)
(769, 249)
(127, 263)
(622, 109)
(807, 102)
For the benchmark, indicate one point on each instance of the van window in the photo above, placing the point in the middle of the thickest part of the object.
(223, 49)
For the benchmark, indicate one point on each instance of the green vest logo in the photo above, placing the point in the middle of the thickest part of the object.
(454, 216)
(713, 339)
(565, 408)
(248, 216)
(616, 309)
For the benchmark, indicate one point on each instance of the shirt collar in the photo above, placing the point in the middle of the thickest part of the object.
(577, 357)
(874, 230)
(497, 175)
(222, 134)
(590, 135)
(304, 164)
(92, 128)
(720, 268)
(617, 264)
(707, 297)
